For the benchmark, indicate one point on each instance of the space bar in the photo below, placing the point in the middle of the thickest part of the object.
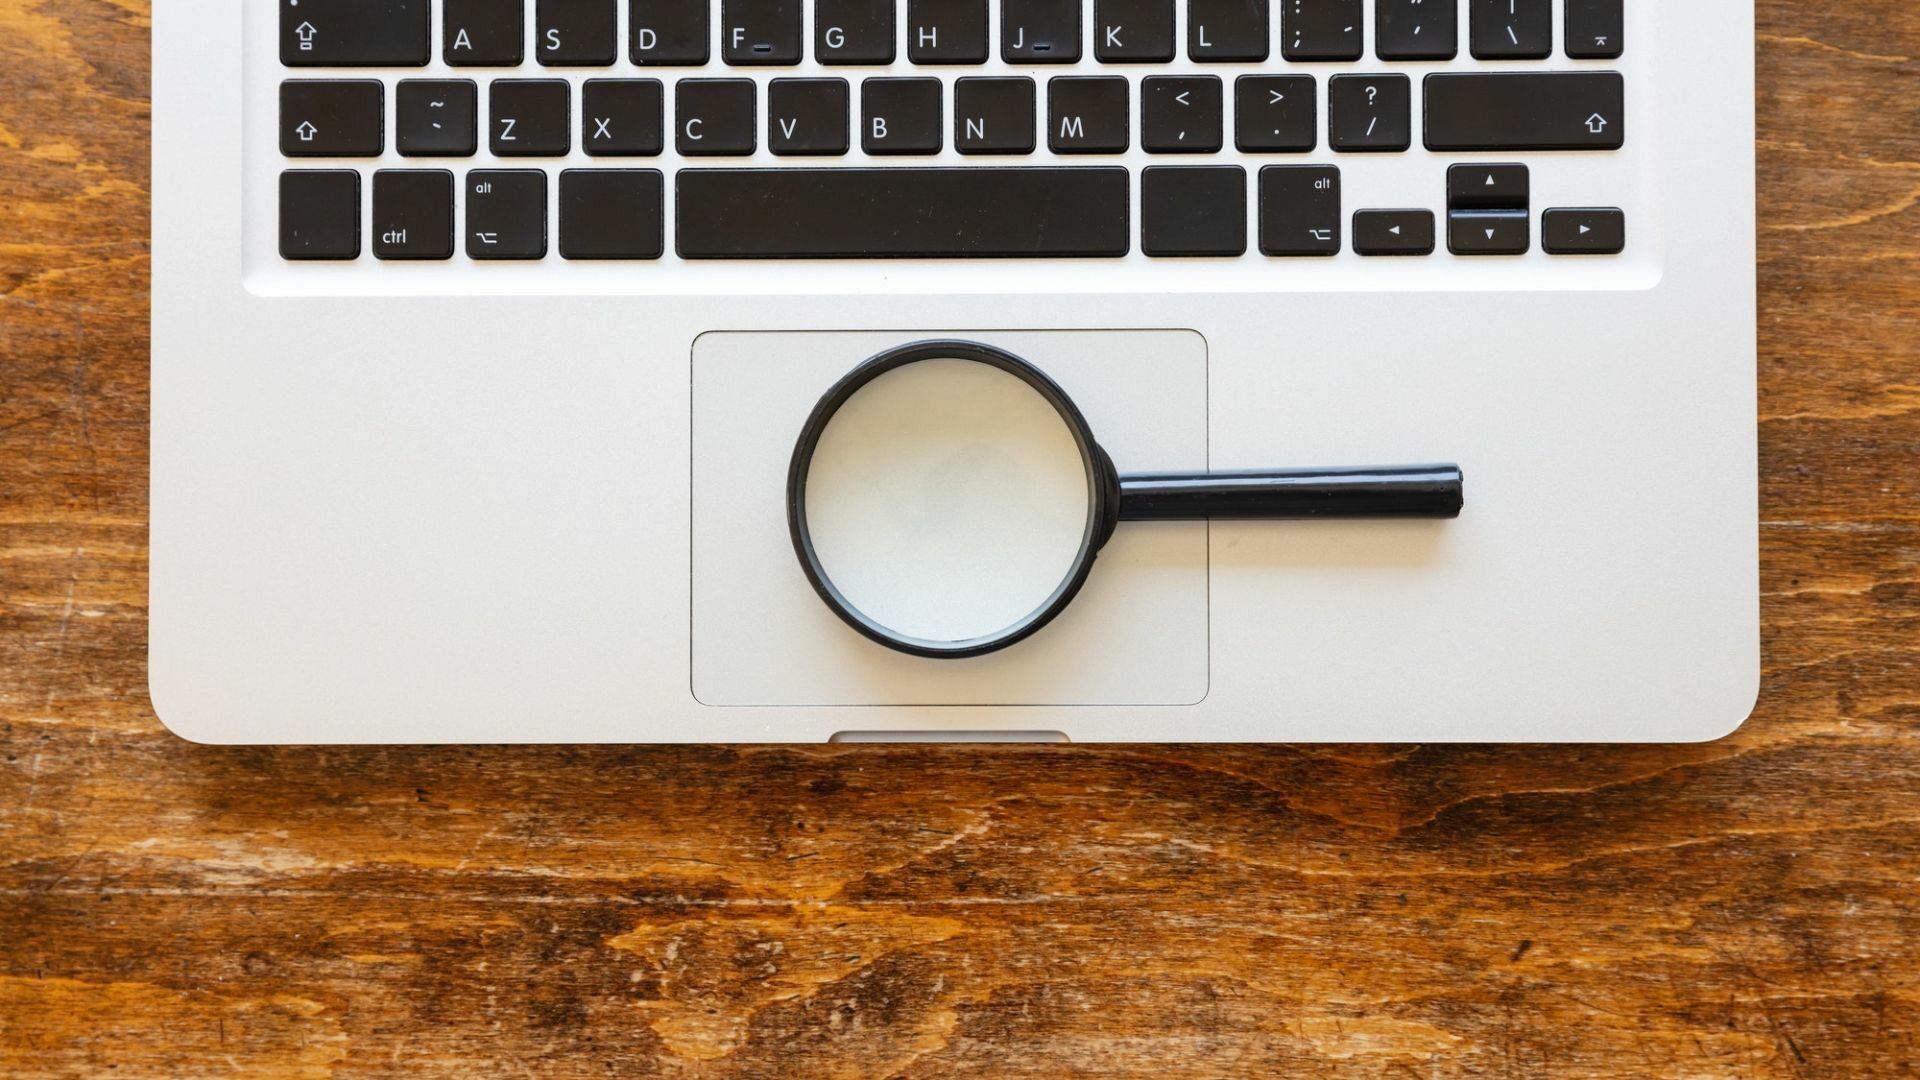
(901, 213)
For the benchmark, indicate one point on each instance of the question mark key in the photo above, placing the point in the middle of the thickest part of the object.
(1370, 113)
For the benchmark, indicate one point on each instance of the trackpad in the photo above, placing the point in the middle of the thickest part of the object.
(1135, 634)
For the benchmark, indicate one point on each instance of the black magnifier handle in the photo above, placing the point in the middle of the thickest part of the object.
(1399, 491)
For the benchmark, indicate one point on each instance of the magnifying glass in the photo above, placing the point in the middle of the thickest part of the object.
(947, 499)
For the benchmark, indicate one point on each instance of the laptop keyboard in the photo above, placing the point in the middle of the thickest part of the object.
(677, 97)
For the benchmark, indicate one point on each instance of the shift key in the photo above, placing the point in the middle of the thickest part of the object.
(1300, 210)
(1560, 110)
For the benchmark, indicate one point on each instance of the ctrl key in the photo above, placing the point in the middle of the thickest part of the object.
(320, 214)
(413, 214)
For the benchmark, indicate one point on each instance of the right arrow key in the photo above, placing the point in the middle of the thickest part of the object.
(1594, 230)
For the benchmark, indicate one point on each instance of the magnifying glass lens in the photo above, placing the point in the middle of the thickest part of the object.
(947, 500)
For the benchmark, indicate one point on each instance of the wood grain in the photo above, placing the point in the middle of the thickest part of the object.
(1741, 909)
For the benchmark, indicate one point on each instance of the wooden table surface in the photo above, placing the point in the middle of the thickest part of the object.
(1740, 909)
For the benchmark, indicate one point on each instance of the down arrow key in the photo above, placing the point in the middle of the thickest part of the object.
(1488, 232)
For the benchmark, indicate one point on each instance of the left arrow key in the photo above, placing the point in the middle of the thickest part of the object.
(332, 118)
(353, 33)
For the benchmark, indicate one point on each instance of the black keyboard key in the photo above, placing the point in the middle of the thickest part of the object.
(993, 116)
(1595, 29)
(574, 32)
(530, 118)
(1393, 232)
(901, 213)
(413, 214)
(437, 117)
(1558, 110)
(1275, 113)
(947, 31)
(900, 116)
(1299, 210)
(320, 214)
(669, 33)
(1219, 30)
(1087, 114)
(807, 116)
(1132, 31)
(1193, 210)
(853, 31)
(1321, 30)
(1040, 31)
(1368, 113)
(354, 33)
(714, 117)
(1416, 29)
(1593, 230)
(622, 118)
(1512, 29)
(1488, 187)
(506, 214)
(611, 214)
(760, 32)
(483, 33)
(1488, 232)
(1180, 114)
(332, 119)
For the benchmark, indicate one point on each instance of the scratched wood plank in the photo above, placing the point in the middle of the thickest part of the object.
(1741, 909)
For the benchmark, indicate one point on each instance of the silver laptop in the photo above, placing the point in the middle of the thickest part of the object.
(1104, 370)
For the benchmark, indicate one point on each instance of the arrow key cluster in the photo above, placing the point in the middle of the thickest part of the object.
(1487, 210)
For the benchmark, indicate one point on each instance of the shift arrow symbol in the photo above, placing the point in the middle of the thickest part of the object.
(306, 131)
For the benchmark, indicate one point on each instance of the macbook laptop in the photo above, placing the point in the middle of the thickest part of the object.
(1103, 370)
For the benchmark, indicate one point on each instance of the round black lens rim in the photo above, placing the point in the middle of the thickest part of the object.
(1102, 491)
